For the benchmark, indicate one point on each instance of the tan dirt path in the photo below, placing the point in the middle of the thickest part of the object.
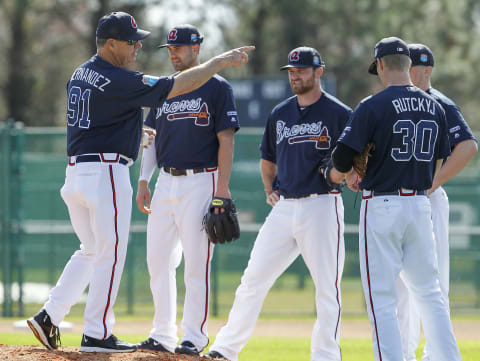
(464, 329)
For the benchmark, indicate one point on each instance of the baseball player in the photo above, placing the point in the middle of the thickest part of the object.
(306, 217)
(104, 126)
(463, 146)
(194, 151)
(409, 130)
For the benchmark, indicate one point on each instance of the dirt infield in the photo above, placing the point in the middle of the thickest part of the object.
(33, 353)
(464, 329)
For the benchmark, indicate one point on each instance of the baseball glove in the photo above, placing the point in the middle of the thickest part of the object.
(360, 160)
(324, 169)
(222, 227)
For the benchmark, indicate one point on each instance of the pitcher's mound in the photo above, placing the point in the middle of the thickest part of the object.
(34, 353)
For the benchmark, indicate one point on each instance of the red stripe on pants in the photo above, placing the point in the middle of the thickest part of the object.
(368, 278)
(114, 198)
(336, 279)
(207, 279)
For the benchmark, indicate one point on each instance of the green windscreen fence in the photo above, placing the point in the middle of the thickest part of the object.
(37, 238)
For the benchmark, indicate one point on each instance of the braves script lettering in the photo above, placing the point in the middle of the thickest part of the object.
(306, 132)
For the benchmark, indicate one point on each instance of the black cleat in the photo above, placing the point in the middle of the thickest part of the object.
(187, 348)
(151, 345)
(110, 345)
(216, 355)
(44, 330)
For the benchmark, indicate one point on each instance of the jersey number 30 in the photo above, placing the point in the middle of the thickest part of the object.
(417, 140)
(78, 107)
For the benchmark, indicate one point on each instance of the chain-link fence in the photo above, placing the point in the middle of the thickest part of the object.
(37, 238)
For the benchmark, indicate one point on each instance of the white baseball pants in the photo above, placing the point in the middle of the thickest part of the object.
(312, 227)
(178, 206)
(408, 315)
(396, 233)
(99, 200)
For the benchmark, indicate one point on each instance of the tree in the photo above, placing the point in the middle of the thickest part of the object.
(46, 40)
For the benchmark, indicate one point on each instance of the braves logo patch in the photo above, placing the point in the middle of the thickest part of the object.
(134, 23)
(172, 35)
(150, 80)
(294, 56)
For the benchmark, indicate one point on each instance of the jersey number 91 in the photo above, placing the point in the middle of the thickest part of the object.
(78, 107)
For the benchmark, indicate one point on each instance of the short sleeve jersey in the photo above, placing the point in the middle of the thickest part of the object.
(104, 109)
(187, 125)
(409, 130)
(458, 129)
(297, 140)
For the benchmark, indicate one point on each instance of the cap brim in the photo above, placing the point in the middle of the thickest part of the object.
(176, 44)
(139, 35)
(301, 66)
(372, 69)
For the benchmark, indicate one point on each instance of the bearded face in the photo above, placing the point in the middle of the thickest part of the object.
(302, 80)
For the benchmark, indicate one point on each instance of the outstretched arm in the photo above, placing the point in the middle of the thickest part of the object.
(193, 78)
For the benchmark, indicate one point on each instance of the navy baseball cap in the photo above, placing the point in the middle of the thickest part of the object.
(304, 57)
(420, 55)
(120, 26)
(388, 46)
(184, 34)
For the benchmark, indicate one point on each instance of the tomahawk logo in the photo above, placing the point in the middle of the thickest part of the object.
(134, 24)
(193, 109)
(200, 118)
(172, 35)
(301, 133)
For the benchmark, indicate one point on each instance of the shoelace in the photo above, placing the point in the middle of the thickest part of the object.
(57, 335)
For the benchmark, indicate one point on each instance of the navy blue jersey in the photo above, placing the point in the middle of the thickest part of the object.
(297, 140)
(409, 130)
(187, 125)
(104, 112)
(458, 129)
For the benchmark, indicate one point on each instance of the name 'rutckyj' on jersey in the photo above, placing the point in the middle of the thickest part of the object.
(414, 104)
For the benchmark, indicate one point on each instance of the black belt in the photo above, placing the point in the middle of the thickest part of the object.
(179, 172)
(85, 158)
(312, 195)
(399, 192)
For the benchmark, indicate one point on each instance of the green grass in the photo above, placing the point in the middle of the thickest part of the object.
(265, 348)
(285, 299)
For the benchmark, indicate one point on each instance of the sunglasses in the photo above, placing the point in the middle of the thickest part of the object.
(131, 42)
